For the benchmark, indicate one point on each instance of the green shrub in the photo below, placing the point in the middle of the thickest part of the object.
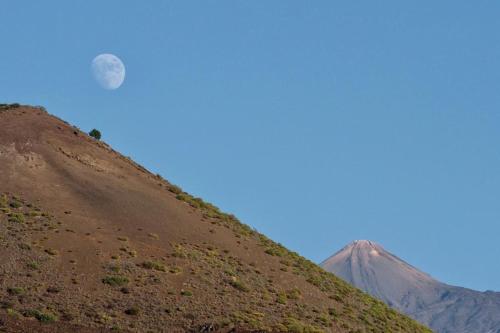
(24, 246)
(186, 293)
(154, 265)
(16, 218)
(175, 189)
(96, 134)
(282, 298)
(15, 203)
(175, 270)
(44, 317)
(237, 284)
(3, 201)
(16, 291)
(293, 294)
(276, 250)
(35, 213)
(114, 268)
(295, 326)
(115, 281)
(33, 265)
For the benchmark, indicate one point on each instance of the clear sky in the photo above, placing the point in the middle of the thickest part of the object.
(316, 122)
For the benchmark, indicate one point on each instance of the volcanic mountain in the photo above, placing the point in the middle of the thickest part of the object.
(90, 240)
(444, 308)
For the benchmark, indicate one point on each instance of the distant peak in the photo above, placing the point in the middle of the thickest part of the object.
(363, 244)
(361, 256)
(359, 247)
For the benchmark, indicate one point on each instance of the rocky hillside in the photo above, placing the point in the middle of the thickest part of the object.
(92, 241)
(444, 308)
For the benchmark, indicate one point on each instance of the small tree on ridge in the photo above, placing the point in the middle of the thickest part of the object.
(95, 134)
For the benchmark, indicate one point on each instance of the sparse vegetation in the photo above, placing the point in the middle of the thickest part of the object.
(130, 252)
(15, 203)
(13, 313)
(5, 107)
(115, 281)
(16, 218)
(294, 325)
(44, 317)
(294, 294)
(186, 293)
(212, 212)
(254, 320)
(114, 268)
(175, 270)
(238, 284)
(33, 265)
(16, 291)
(154, 265)
(282, 298)
(3, 201)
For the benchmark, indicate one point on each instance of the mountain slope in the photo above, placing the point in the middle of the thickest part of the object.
(444, 308)
(89, 238)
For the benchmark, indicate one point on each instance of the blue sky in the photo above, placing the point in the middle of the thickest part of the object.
(317, 123)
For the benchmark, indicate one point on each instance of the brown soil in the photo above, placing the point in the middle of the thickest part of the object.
(89, 238)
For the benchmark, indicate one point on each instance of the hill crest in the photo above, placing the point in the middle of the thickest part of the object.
(97, 241)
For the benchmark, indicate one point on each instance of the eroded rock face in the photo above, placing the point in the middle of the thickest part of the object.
(446, 309)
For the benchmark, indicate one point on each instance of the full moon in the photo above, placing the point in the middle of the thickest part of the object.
(108, 71)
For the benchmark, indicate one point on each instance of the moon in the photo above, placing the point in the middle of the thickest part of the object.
(108, 71)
